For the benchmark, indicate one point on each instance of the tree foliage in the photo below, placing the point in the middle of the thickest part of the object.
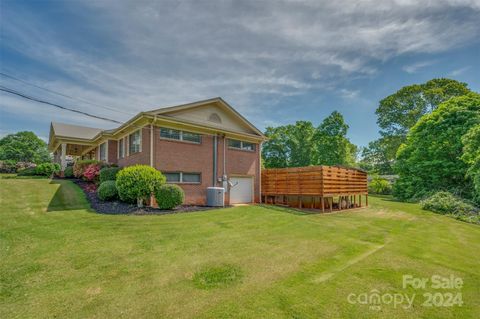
(471, 156)
(399, 112)
(301, 144)
(24, 147)
(431, 159)
(378, 156)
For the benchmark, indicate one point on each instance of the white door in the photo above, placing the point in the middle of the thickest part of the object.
(241, 190)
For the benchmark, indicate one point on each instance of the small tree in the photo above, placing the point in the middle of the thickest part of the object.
(138, 183)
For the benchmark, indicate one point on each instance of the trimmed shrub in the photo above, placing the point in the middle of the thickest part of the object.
(447, 203)
(68, 172)
(47, 169)
(169, 196)
(92, 172)
(107, 190)
(31, 171)
(108, 174)
(138, 183)
(379, 185)
(80, 166)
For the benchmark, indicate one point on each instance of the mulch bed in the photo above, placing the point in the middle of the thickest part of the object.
(117, 207)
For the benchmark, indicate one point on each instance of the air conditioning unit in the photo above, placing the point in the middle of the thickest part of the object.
(215, 196)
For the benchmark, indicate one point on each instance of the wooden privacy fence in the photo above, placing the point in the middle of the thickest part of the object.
(318, 187)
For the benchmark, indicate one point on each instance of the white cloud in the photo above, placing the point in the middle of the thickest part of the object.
(459, 71)
(414, 67)
(136, 57)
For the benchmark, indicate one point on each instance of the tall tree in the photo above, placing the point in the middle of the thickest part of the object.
(400, 111)
(431, 158)
(378, 156)
(301, 144)
(289, 145)
(24, 147)
(333, 146)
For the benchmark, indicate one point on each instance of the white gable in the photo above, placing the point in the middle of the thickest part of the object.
(212, 115)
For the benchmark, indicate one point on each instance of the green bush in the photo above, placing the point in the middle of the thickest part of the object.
(68, 172)
(47, 169)
(447, 203)
(138, 183)
(169, 196)
(108, 174)
(379, 185)
(107, 190)
(31, 171)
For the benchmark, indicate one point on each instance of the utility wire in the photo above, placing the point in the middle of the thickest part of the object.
(14, 92)
(64, 95)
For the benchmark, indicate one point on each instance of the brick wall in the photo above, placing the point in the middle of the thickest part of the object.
(112, 152)
(142, 157)
(179, 156)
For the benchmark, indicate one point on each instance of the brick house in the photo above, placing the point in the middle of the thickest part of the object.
(195, 145)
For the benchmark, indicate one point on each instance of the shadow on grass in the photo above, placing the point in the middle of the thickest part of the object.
(68, 196)
(290, 210)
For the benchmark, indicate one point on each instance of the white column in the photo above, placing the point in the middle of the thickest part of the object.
(63, 160)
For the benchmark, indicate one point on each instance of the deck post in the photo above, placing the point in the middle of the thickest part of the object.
(366, 200)
(322, 204)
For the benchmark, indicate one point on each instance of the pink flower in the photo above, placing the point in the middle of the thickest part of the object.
(91, 172)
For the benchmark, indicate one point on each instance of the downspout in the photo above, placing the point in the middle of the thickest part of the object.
(224, 158)
(151, 145)
(214, 182)
(152, 137)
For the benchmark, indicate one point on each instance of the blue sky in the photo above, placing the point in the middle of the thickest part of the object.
(275, 61)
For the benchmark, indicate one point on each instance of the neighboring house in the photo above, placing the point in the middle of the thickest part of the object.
(196, 145)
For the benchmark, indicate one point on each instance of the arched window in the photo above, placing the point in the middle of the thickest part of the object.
(215, 118)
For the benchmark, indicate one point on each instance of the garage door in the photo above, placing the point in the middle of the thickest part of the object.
(241, 190)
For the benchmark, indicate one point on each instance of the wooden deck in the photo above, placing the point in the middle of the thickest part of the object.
(316, 187)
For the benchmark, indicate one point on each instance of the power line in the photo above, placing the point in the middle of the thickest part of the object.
(64, 95)
(14, 92)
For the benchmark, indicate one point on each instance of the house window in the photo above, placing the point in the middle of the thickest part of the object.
(181, 177)
(134, 140)
(241, 145)
(121, 148)
(180, 135)
(103, 151)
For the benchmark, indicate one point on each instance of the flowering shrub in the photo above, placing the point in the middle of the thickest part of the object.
(80, 166)
(91, 172)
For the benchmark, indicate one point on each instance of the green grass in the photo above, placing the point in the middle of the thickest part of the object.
(59, 259)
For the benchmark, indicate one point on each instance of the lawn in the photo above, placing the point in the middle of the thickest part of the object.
(59, 259)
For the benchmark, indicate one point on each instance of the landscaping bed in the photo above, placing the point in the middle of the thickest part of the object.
(118, 207)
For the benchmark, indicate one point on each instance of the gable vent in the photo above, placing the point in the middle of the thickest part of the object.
(215, 118)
